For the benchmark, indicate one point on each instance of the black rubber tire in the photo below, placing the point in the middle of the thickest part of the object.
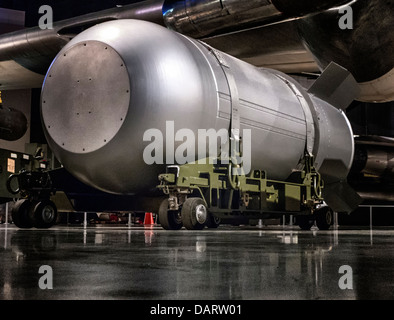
(20, 214)
(324, 218)
(212, 221)
(43, 214)
(189, 214)
(169, 219)
(304, 222)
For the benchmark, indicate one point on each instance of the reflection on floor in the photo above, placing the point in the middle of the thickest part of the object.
(120, 262)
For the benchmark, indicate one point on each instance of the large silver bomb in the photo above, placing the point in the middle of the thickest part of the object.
(115, 81)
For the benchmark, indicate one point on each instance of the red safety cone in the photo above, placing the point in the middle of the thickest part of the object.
(149, 218)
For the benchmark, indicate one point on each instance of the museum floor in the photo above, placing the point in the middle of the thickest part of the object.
(105, 262)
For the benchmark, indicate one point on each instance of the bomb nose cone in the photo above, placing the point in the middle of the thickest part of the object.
(89, 85)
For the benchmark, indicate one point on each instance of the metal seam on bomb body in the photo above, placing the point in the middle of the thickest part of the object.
(265, 127)
(310, 123)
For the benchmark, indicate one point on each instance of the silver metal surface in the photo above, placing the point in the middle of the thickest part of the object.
(335, 142)
(336, 86)
(201, 213)
(207, 17)
(99, 97)
(26, 55)
(380, 163)
(32, 50)
(248, 30)
(175, 78)
(372, 160)
(204, 17)
(277, 46)
(379, 192)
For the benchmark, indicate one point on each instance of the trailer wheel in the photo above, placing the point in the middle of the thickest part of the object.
(20, 214)
(324, 218)
(304, 222)
(194, 214)
(169, 219)
(212, 221)
(43, 214)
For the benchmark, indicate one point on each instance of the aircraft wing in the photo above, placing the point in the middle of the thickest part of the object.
(249, 30)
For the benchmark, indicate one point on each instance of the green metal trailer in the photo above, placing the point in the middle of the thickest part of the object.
(204, 193)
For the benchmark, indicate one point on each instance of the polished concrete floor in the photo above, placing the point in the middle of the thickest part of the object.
(250, 263)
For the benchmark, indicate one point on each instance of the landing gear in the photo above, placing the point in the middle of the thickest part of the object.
(39, 214)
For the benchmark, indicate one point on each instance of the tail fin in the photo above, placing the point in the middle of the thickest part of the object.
(341, 197)
(337, 86)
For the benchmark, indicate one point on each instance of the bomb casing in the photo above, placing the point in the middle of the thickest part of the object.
(118, 79)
